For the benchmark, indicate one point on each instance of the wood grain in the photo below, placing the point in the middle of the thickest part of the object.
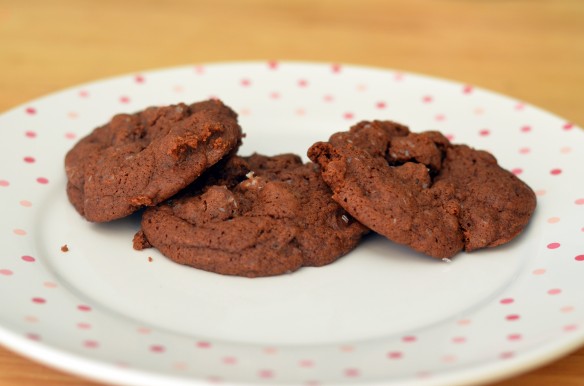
(532, 50)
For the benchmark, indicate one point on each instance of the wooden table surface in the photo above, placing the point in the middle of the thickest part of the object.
(532, 50)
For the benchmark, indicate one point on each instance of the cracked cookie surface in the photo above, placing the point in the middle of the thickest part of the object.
(252, 216)
(141, 159)
(422, 191)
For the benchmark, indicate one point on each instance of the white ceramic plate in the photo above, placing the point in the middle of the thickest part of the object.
(380, 315)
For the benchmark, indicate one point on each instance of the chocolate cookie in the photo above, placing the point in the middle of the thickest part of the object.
(422, 191)
(253, 216)
(144, 158)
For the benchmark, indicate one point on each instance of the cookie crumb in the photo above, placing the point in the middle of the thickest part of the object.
(446, 260)
(250, 174)
(65, 248)
(150, 259)
(140, 241)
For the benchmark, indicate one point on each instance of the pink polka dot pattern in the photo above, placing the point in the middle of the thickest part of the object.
(157, 348)
(214, 380)
(313, 100)
(409, 339)
(33, 336)
(517, 171)
(449, 359)
(570, 328)
(203, 344)
(91, 344)
(266, 374)
(352, 373)
(306, 363)
(555, 172)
